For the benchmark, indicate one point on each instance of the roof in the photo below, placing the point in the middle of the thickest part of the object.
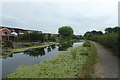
(4, 28)
(16, 28)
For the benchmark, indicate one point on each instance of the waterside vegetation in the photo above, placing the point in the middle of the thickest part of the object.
(67, 65)
(109, 39)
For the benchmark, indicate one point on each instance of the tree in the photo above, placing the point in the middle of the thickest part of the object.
(78, 37)
(90, 34)
(66, 32)
(108, 30)
(53, 37)
(112, 30)
(34, 36)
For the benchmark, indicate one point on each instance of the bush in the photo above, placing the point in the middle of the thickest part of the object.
(8, 44)
(84, 51)
(86, 44)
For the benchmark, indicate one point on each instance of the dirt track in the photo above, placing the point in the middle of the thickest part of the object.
(107, 65)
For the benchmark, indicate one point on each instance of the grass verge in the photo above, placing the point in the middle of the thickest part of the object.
(88, 69)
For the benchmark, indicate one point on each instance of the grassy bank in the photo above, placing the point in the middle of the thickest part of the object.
(66, 65)
(9, 51)
(88, 69)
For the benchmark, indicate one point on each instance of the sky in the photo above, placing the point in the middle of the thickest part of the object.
(48, 15)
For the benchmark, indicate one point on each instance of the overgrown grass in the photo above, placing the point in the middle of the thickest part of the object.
(88, 69)
(66, 65)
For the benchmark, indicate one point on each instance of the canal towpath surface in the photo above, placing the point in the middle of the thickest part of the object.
(107, 65)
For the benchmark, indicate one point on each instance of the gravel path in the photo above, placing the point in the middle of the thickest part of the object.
(107, 66)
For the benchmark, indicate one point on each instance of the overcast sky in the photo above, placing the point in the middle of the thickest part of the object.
(48, 16)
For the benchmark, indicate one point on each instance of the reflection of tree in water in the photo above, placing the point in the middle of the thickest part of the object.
(53, 47)
(11, 55)
(65, 46)
(48, 49)
(35, 52)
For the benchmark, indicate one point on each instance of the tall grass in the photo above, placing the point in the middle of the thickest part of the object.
(88, 69)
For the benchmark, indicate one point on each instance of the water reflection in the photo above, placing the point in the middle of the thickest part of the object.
(65, 46)
(53, 47)
(35, 52)
(39, 54)
(11, 55)
(48, 49)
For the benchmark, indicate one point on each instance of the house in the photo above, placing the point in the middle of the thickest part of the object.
(17, 31)
(6, 34)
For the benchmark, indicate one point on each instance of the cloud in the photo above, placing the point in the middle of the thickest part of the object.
(49, 16)
(11, 21)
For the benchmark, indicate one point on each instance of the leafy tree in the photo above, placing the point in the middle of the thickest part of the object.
(66, 32)
(78, 37)
(53, 37)
(34, 36)
(112, 30)
(89, 34)
(24, 37)
(108, 30)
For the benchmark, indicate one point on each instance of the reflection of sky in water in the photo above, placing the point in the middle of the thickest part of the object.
(77, 44)
(11, 63)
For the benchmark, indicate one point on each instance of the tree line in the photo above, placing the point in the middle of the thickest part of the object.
(109, 39)
(37, 36)
(65, 33)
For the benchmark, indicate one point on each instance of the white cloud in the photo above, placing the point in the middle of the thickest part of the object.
(82, 15)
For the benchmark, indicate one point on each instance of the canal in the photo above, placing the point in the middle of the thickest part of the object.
(33, 56)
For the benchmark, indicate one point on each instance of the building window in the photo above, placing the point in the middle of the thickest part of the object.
(5, 33)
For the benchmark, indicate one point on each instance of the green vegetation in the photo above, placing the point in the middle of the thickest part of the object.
(7, 52)
(8, 44)
(78, 37)
(53, 38)
(67, 65)
(36, 36)
(33, 36)
(88, 68)
(66, 33)
(86, 44)
(109, 39)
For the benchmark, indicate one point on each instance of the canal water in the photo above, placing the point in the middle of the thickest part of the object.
(33, 56)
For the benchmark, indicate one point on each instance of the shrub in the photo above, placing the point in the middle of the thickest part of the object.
(84, 51)
(86, 44)
(8, 44)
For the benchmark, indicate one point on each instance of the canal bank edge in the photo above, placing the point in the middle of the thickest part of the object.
(88, 69)
(11, 51)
